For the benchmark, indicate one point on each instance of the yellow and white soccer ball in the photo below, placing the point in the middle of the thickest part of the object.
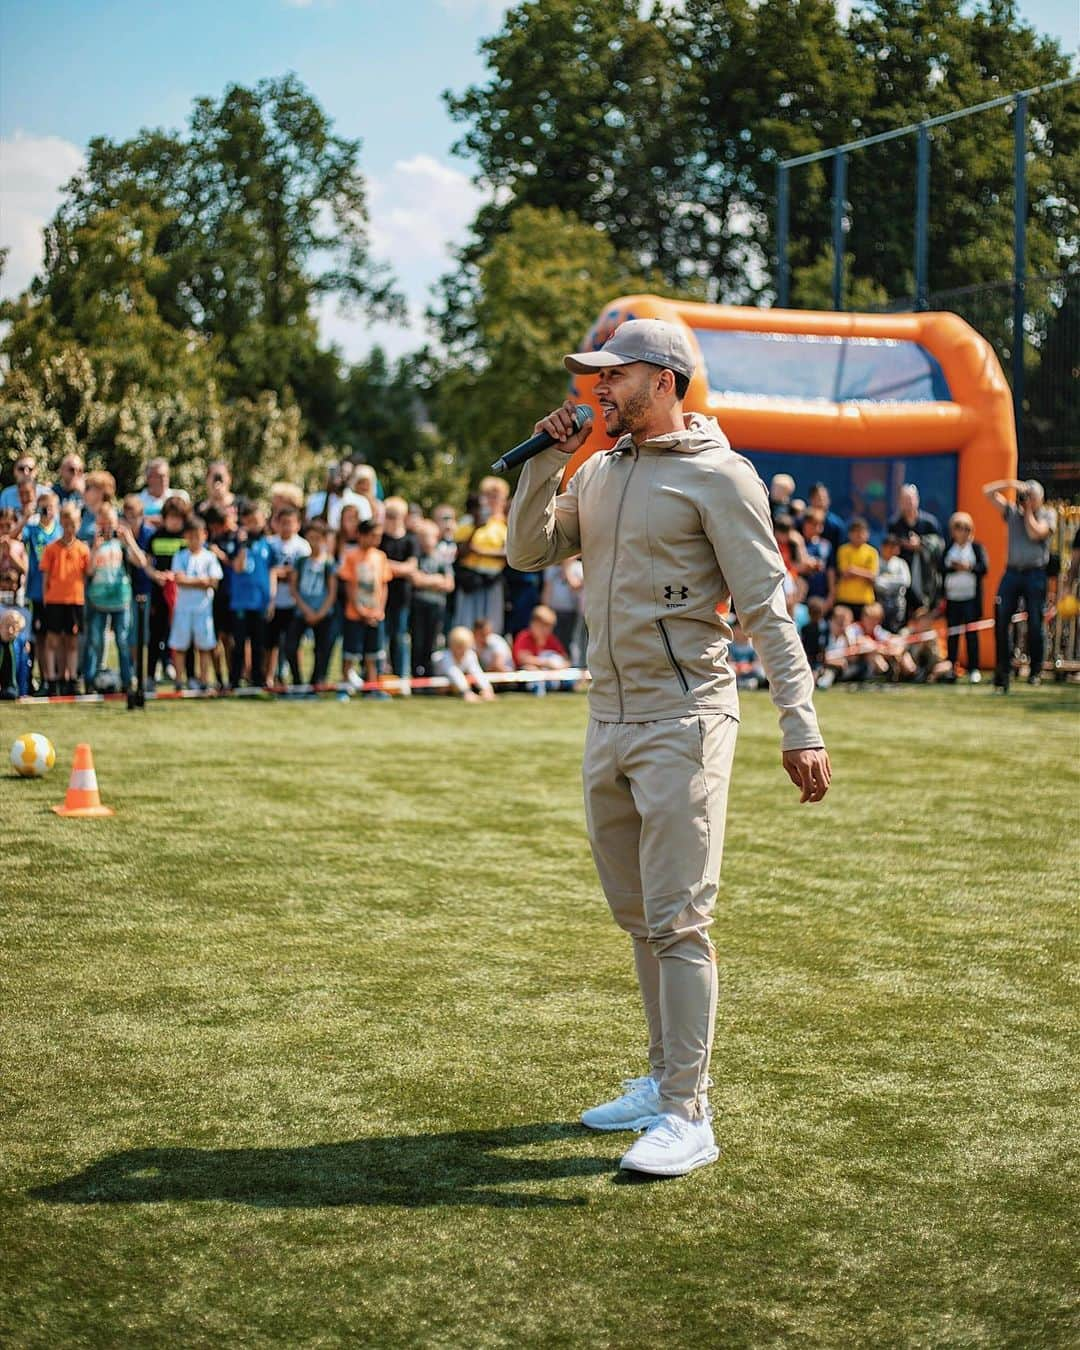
(32, 755)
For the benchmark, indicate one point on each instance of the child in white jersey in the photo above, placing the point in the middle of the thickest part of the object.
(196, 572)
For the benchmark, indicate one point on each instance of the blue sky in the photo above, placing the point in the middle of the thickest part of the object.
(71, 69)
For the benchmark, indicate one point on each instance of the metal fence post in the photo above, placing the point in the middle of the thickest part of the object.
(783, 211)
(922, 217)
(839, 193)
(1019, 261)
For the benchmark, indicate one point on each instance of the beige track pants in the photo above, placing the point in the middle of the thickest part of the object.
(655, 803)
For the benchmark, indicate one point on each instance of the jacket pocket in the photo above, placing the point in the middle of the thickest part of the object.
(680, 676)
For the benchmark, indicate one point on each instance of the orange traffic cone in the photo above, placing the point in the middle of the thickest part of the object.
(83, 798)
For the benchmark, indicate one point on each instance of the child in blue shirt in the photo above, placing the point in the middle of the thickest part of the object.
(249, 594)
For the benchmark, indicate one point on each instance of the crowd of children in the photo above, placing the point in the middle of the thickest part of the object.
(865, 612)
(226, 593)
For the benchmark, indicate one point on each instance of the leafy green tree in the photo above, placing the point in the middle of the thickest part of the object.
(379, 412)
(811, 286)
(585, 111)
(778, 79)
(665, 130)
(929, 57)
(537, 292)
(245, 222)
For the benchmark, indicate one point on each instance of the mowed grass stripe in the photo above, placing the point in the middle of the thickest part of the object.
(294, 1044)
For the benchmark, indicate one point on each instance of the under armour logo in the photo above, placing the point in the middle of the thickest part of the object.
(676, 592)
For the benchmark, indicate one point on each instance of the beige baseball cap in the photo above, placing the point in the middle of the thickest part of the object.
(653, 340)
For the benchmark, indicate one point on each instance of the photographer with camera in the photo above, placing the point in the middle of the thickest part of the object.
(219, 494)
(1030, 523)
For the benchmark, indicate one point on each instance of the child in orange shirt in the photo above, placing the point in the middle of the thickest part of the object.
(364, 575)
(64, 564)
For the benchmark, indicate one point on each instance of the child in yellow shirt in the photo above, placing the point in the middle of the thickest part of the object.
(856, 568)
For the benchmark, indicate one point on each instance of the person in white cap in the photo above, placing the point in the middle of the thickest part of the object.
(670, 523)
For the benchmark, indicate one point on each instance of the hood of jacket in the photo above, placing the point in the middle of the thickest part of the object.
(700, 433)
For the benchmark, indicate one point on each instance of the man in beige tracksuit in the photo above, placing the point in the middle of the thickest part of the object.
(669, 523)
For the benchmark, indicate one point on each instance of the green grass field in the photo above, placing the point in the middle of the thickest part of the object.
(294, 1046)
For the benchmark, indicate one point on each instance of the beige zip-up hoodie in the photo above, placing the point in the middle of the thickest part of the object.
(667, 531)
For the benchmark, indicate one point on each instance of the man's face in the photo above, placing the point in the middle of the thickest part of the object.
(70, 468)
(909, 506)
(157, 480)
(24, 470)
(820, 498)
(625, 395)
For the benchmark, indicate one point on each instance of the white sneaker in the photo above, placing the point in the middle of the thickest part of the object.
(975, 677)
(355, 680)
(671, 1147)
(636, 1109)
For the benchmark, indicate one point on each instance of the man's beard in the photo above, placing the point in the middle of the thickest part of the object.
(632, 415)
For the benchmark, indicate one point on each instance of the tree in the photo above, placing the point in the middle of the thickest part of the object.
(379, 412)
(665, 130)
(585, 112)
(537, 292)
(811, 286)
(928, 57)
(245, 221)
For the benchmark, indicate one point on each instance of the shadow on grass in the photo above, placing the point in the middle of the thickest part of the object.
(414, 1170)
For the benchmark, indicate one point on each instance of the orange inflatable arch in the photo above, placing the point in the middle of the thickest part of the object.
(861, 402)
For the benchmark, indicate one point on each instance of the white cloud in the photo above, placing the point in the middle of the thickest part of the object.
(419, 209)
(418, 212)
(33, 170)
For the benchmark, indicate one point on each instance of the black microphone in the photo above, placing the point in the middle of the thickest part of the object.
(541, 441)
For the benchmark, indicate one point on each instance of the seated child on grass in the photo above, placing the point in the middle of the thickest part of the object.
(841, 662)
(459, 663)
(890, 656)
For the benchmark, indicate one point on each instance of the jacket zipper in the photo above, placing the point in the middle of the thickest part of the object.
(671, 656)
(611, 582)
